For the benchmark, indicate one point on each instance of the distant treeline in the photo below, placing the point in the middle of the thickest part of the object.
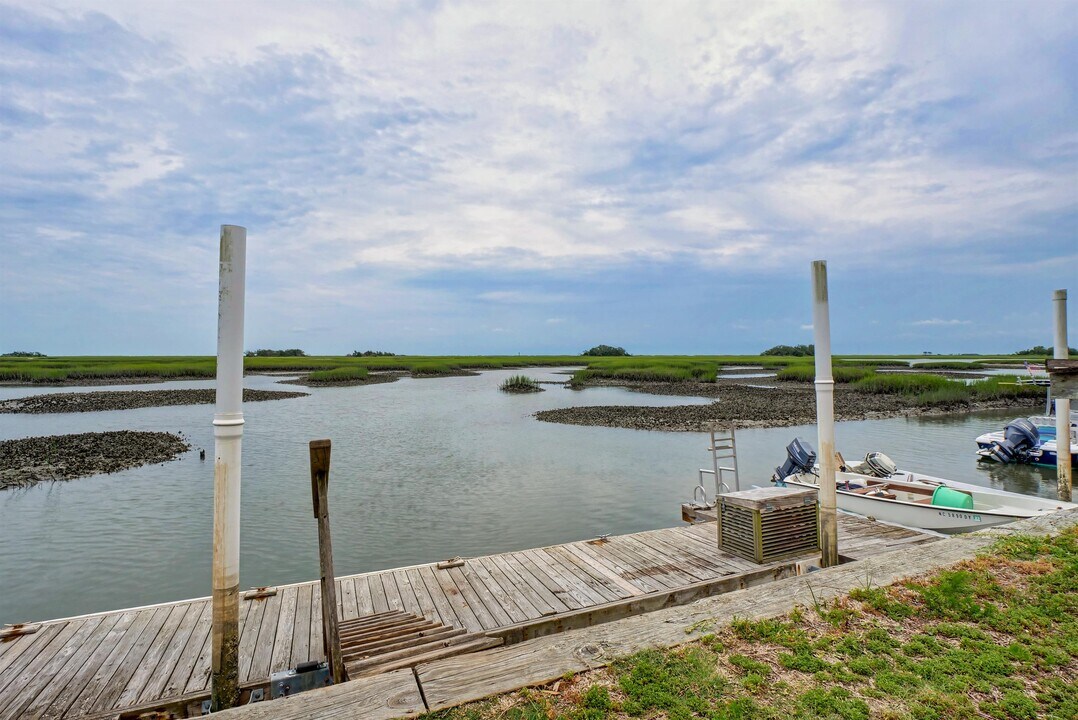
(291, 352)
(791, 350)
(605, 351)
(1042, 350)
(371, 353)
(23, 353)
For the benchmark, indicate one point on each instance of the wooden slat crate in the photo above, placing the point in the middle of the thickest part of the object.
(768, 524)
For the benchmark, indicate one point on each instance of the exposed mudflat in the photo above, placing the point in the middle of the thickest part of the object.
(450, 373)
(29, 461)
(371, 379)
(128, 400)
(742, 405)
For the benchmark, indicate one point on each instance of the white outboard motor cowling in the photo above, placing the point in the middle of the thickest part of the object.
(880, 465)
(1019, 438)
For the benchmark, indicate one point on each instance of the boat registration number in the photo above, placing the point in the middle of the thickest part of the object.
(960, 516)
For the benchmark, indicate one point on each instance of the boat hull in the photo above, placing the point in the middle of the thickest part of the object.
(935, 517)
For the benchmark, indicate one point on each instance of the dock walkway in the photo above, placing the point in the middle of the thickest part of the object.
(113, 664)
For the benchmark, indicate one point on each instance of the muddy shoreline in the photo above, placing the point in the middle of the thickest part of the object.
(128, 400)
(372, 379)
(741, 405)
(28, 461)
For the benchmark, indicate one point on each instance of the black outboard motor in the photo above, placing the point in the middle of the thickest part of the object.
(1019, 437)
(800, 457)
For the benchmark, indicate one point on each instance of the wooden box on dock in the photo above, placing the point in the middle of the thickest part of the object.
(767, 524)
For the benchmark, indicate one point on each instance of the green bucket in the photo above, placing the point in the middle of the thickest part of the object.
(946, 497)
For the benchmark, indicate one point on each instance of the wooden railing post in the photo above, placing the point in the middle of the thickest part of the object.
(331, 639)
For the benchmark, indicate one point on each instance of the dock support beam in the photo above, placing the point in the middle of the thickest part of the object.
(331, 636)
(825, 415)
(228, 438)
(1061, 351)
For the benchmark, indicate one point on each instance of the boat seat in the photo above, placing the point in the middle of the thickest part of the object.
(870, 488)
(924, 501)
(880, 491)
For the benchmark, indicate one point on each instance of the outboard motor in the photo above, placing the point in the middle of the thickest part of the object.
(880, 465)
(800, 457)
(1019, 438)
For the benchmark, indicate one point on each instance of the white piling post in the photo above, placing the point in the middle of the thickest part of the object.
(825, 415)
(1061, 351)
(228, 438)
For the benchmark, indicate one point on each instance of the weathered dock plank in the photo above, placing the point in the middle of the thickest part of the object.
(129, 660)
(37, 674)
(347, 595)
(316, 649)
(364, 599)
(249, 634)
(37, 643)
(155, 651)
(411, 602)
(132, 661)
(267, 636)
(173, 656)
(378, 594)
(76, 684)
(426, 601)
(392, 695)
(529, 600)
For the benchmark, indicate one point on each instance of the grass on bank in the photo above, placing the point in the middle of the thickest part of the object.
(994, 637)
(520, 384)
(357, 373)
(927, 389)
(58, 369)
(665, 368)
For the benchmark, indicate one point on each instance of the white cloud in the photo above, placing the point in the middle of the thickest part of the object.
(938, 322)
(522, 297)
(657, 134)
(373, 148)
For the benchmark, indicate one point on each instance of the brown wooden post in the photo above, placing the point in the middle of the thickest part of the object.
(320, 451)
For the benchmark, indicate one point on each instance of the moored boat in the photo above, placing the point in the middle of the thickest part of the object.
(877, 489)
(1028, 440)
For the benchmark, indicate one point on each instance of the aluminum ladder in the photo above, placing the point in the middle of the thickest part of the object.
(723, 447)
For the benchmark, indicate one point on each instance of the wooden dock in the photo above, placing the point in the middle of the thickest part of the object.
(118, 664)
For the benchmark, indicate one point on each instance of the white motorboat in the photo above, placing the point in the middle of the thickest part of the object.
(877, 489)
(1028, 440)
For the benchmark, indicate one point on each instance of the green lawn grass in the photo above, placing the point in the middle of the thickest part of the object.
(995, 637)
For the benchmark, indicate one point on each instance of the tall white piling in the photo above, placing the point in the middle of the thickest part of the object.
(1061, 351)
(228, 438)
(825, 415)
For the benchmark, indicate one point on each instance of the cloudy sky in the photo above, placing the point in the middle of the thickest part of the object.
(537, 177)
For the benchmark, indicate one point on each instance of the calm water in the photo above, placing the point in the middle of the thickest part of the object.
(422, 470)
